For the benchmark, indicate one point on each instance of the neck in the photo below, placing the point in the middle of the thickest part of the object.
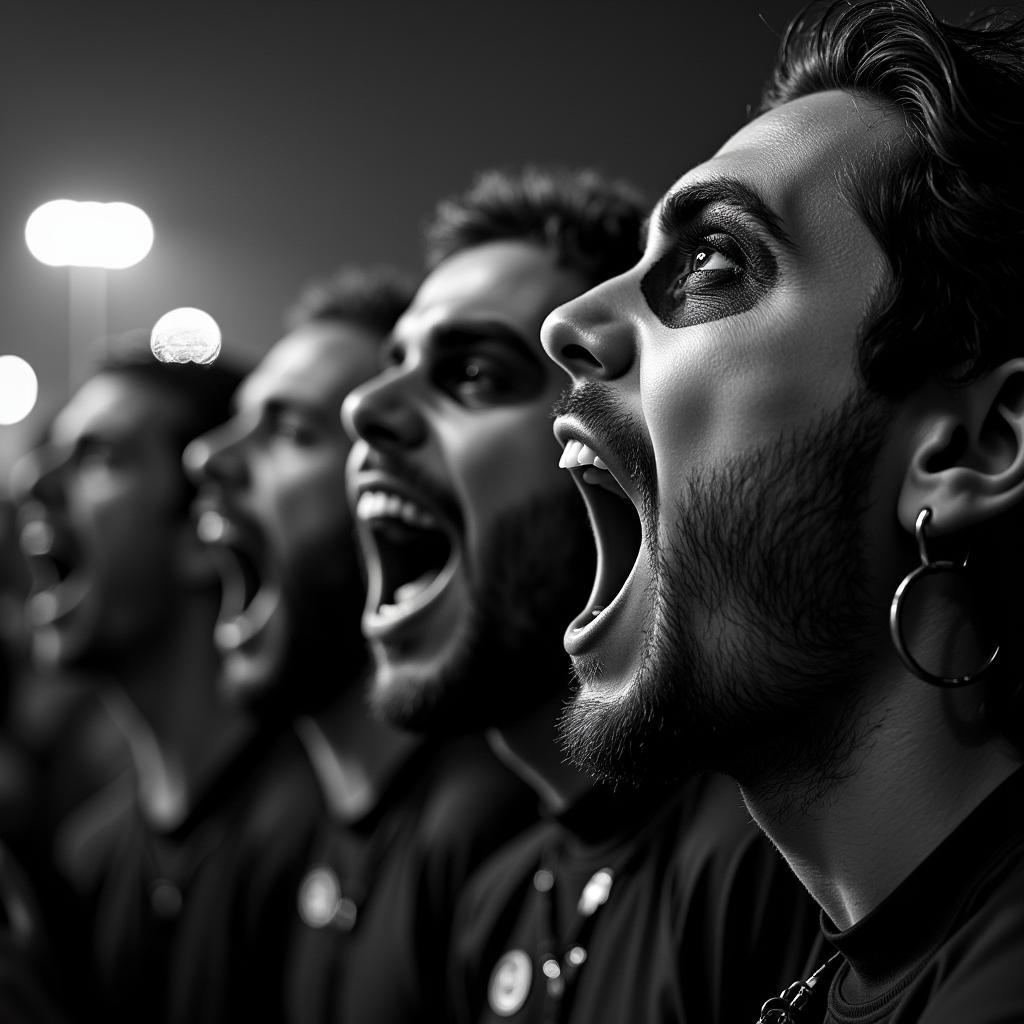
(179, 732)
(530, 748)
(353, 752)
(923, 762)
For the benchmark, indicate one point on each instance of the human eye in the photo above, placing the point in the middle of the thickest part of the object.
(96, 453)
(391, 354)
(700, 279)
(478, 379)
(293, 426)
(704, 265)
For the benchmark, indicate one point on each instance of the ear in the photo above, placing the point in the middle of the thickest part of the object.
(967, 464)
(193, 561)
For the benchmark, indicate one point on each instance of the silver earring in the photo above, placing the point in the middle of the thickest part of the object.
(928, 568)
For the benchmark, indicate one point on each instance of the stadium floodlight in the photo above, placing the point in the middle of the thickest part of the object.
(19, 388)
(186, 335)
(69, 233)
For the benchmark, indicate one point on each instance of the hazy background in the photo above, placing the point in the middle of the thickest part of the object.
(270, 142)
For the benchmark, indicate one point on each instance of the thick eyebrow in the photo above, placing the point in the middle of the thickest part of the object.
(471, 332)
(292, 403)
(679, 208)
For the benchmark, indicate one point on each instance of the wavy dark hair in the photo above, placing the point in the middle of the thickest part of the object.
(948, 208)
(592, 223)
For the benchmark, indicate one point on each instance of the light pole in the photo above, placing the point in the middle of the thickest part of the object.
(89, 238)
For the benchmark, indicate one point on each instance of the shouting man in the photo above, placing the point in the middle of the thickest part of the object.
(798, 424)
(398, 823)
(612, 908)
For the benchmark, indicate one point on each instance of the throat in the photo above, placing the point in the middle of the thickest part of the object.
(530, 748)
(862, 838)
(354, 755)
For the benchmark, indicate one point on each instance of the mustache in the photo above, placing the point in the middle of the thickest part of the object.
(408, 473)
(595, 406)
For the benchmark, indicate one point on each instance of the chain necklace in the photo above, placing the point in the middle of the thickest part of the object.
(561, 962)
(797, 1001)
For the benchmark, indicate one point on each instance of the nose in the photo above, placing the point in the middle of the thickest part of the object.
(590, 337)
(383, 413)
(215, 457)
(34, 477)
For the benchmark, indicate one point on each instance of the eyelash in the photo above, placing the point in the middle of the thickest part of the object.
(692, 242)
(681, 295)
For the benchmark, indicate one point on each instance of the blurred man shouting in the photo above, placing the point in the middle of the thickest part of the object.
(359, 918)
(478, 551)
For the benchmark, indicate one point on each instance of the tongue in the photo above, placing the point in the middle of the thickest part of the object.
(602, 478)
(407, 591)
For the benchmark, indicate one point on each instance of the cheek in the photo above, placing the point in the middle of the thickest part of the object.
(312, 512)
(503, 463)
(135, 521)
(723, 388)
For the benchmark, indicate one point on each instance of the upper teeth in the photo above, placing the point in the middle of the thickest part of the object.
(211, 527)
(578, 454)
(377, 504)
(36, 537)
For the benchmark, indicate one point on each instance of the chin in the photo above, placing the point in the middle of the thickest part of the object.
(420, 695)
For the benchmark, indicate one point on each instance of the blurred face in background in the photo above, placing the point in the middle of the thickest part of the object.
(476, 546)
(104, 525)
(272, 508)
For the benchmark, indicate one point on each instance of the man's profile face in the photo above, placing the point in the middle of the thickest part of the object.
(718, 383)
(100, 516)
(272, 507)
(471, 535)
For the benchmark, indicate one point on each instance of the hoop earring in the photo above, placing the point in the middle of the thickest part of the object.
(928, 568)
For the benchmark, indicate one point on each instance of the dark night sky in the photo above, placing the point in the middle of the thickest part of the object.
(270, 142)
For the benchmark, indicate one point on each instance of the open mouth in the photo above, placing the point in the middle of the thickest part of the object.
(246, 603)
(411, 553)
(54, 589)
(617, 526)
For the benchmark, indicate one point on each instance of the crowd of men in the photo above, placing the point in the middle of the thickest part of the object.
(615, 624)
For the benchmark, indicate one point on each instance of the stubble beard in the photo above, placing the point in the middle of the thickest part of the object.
(761, 626)
(534, 574)
(325, 654)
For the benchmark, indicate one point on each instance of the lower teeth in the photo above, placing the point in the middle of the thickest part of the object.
(407, 591)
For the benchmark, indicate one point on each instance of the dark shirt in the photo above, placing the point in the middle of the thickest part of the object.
(373, 914)
(28, 984)
(947, 947)
(190, 924)
(701, 915)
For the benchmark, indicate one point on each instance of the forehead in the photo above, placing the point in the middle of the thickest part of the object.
(317, 362)
(114, 405)
(514, 282)
(798, 157)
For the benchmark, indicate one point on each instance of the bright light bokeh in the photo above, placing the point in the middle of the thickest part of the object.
(185, 335)
(69, 233)
(19, 389)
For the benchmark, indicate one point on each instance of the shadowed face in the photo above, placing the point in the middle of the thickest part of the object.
(272, 507)
(472, 538)
(103, 511)
(718, 430)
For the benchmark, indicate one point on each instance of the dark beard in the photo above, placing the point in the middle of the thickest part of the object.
(761, 624)
(326, 652)
(535, 575)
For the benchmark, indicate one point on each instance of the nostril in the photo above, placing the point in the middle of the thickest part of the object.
(577, 353)
(376, 434)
